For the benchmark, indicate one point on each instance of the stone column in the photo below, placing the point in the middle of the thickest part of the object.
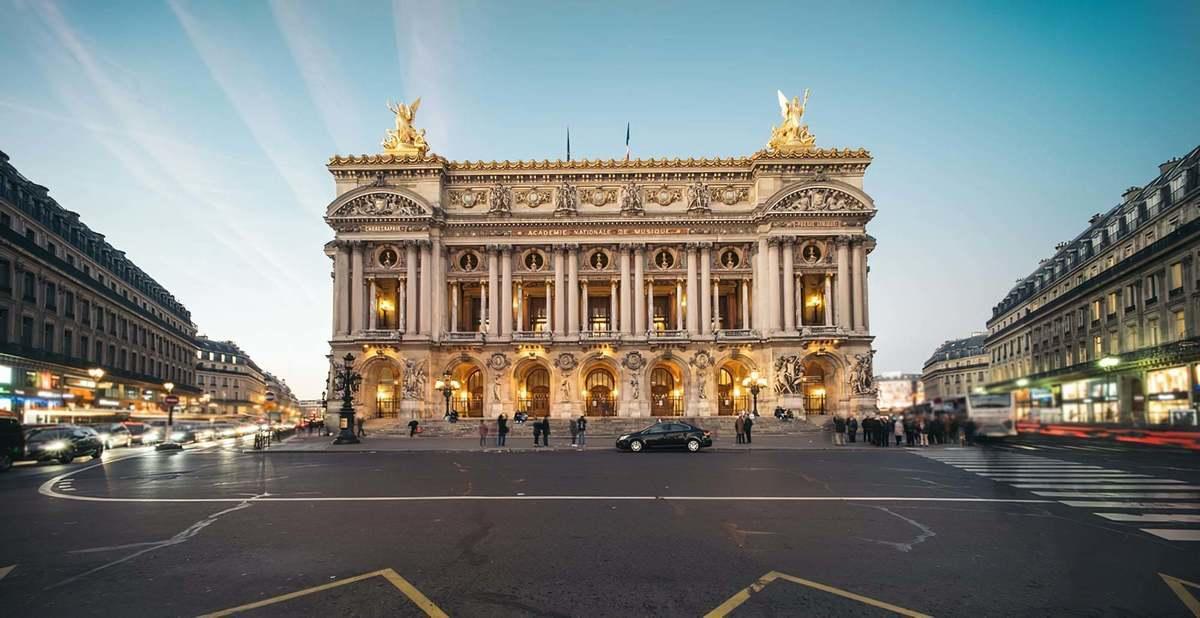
(706, 308)
(692, 307)
(484, 305)
(650, 306)
(440, 290)
(573, 290)
(626, 293)
(842, 309)
(560, 301)
(827, 302)
(745, 305)
(639, 287)
(401, 306)
(506, 291)
(454, 307)
(551, 319)
(789, 289)
(771, 293)
(857, 287)
(426, 308)
(493, 290)
(759, 280)
(357, 290)
(866, 280)
(341, 288)
(372, 306)
(613, 324)
(411, 322)
(799, 302)
(678, 299)
(585, 323)
(716, 302)
(520, 299)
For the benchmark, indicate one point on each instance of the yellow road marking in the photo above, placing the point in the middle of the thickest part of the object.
(394, 578)
(1180, 588)
(744, 594)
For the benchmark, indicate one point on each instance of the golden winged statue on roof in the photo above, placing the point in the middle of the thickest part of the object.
(792, 134)
(405, 139)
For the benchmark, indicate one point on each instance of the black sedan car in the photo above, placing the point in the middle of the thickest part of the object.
(666, 434)
(62, 442)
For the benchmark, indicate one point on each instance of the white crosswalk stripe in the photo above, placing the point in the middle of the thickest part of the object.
(1137, 499)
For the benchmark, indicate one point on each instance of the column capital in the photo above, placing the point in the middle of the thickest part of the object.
(705, 245)
(638, 247)
(773, 241)
(505, 248)
(842, 240)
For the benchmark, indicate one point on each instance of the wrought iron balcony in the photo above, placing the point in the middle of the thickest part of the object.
(464, 336)
(380, 334)
(598, 335)
(529, 335)
(736, 333)
(668, 334)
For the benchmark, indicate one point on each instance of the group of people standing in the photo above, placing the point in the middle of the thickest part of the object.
(911, 429)
(742, 426)
(541, 431)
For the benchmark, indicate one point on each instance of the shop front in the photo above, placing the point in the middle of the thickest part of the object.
(1167, 396)
(1091, 401)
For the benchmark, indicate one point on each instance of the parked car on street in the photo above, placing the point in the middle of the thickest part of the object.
(224, 429)
(112, 434)
(62, 442)
(666, 434)
(12, 441)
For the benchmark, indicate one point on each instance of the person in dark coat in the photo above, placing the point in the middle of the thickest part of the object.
(501, 429)
(746, 428)
(537, 433)
(412, 427)
(839, 431)
(582, 424)
(739, 427)
(546, 430)
(360, 422)
(852, 428)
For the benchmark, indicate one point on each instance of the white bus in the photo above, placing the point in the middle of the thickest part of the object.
(993, 415)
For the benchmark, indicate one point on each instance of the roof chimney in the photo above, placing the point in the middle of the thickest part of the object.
(1166, 165)
(1130, 192)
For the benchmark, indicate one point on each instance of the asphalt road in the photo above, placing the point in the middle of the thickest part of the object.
(869, 532)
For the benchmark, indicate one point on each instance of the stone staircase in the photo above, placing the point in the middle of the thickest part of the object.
(597, 426)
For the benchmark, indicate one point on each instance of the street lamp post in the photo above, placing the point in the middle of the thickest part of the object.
(346, 381)
(447, 385)
(169, 443)
(754, 383)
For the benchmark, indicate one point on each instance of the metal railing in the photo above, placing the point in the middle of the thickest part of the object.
(529, 335)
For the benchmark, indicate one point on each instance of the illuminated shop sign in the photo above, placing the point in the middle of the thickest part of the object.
(6, 374)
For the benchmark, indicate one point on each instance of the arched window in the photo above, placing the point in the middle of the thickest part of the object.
(470, 398)
(535, 396)
(385, 393)
(665, 398)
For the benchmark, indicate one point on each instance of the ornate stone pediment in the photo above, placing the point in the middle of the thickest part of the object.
(829, 196)
(378, 203)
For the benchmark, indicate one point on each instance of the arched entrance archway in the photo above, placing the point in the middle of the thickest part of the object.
(468, 399)
(666, 391)
(387, 392)
(732, 399)
(600, 387)
(817, 395)
(535, 392)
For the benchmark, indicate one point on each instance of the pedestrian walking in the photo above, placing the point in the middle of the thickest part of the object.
(360, 421)
(310, 427)
(537, 433)
(923, 432)
(898, 429)
(582, 431)
(546, 430)
(501, 430)
(852, 428)
(739, 427)
(483, 433)
(413, 426)
(573, 425)
(746, 428)
(839, 431)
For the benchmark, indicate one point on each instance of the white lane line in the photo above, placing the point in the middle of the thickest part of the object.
(1117, 494)
(1042, 469)
(1104, 487)
(1151, 506)
(1028, 448)
(1067, 475)
(1078, 479)
(1152, 518)
(1174, 535)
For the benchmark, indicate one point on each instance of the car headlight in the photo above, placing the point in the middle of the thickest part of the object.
(178, 435)
(104, 437)
(56, 445)
(624, 437)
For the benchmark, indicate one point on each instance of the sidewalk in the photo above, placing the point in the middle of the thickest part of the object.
(369, 444)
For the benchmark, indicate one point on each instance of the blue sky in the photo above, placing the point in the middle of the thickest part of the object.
(194, 135)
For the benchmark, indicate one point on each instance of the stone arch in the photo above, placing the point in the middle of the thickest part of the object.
(781, 201)
(729, 372)
(474, 377)
(825, 387)
(530, 394)
(598, 385)
(381, 390)
(668, 397)
(393, 202)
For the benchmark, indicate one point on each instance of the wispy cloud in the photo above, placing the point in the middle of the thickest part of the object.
(331, 95)
(247, 90)
(427, 35)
